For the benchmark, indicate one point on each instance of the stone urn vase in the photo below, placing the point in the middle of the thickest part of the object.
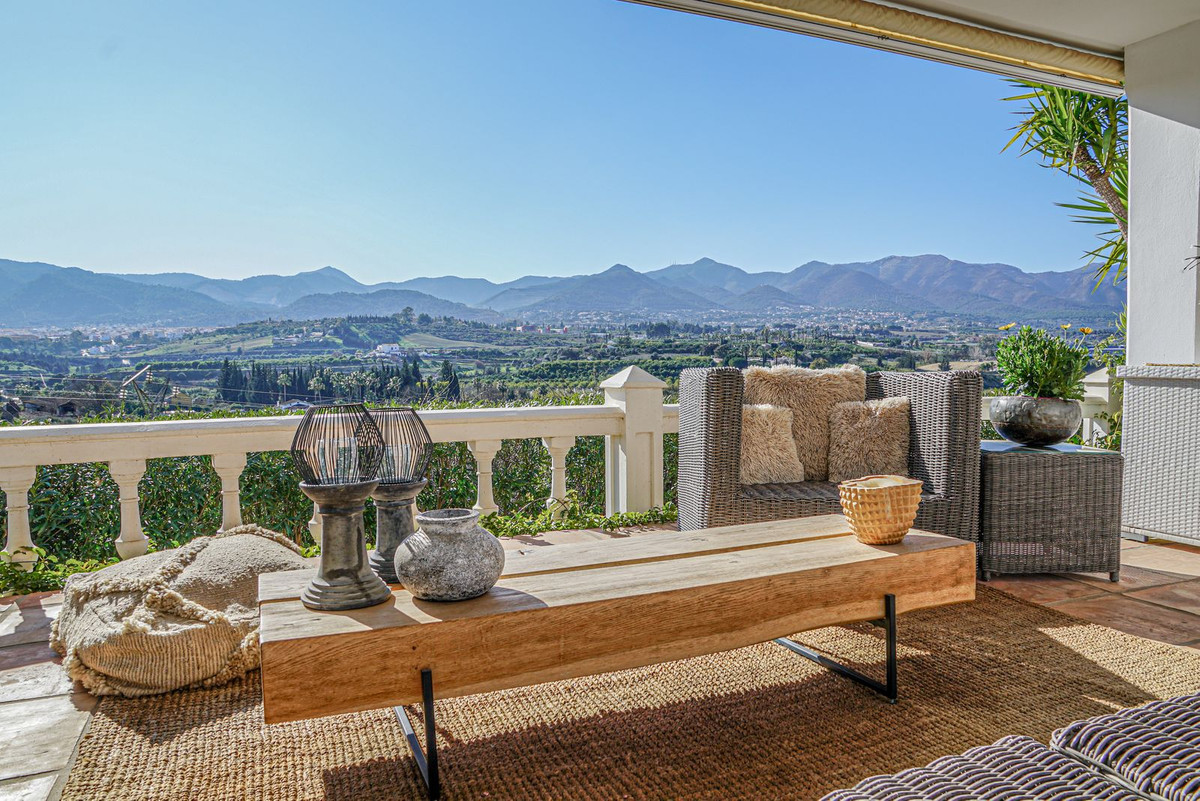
(1037, 422)
(450, 557)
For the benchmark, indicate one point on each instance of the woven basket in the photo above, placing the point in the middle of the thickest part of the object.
(880, 515)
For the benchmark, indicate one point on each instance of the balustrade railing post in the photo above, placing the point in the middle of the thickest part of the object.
(315, 526)
(558, 448)
(484, 450)
(633, 460)
(1097, 386)
(16, 483)
(127, 473)
(229, 467)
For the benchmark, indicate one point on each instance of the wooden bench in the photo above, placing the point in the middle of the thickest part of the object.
(565, 611)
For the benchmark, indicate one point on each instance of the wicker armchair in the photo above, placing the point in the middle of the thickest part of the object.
(944, 453)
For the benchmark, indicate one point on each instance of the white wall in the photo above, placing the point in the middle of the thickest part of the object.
(1163, 84)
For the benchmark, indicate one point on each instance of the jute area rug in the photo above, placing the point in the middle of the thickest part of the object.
(756, 723)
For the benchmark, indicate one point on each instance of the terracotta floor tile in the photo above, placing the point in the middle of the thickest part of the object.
(1135, 617)
(1043, 589)
(1177, 546)
(1132, 578)
(32, 788)
(1184, 596)
(39, 736)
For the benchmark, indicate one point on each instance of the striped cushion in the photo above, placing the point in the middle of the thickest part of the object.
(1012, 768)
(1154, 748)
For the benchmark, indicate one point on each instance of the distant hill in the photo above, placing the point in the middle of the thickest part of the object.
(762, 298)
(46, 295)
(39, 294)
(381, 303)
(618, 289)
(268, 290)
(929, 283)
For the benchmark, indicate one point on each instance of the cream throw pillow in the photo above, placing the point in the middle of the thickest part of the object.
(868, 439)
(768, 450)
(811, 395)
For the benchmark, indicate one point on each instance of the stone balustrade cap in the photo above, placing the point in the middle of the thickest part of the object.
(632, 377)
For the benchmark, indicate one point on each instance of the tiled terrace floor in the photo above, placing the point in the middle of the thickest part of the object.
(42, 715)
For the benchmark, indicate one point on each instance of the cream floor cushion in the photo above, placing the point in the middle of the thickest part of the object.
(186, 617)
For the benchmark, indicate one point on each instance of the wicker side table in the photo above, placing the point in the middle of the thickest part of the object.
(1049, 510)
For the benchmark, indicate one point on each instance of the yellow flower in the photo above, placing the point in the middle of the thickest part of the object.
(1065, 326)
(1007, 327)
(1083, 329)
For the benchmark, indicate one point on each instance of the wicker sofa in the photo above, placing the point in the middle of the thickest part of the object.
(944, 453)
(1151, 752)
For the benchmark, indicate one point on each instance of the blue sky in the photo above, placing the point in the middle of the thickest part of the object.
(395, 139)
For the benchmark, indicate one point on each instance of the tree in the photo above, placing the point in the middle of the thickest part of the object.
(406, 315)
(1086, 137)
(424, 319)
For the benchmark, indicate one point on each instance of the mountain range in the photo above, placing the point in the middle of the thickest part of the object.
(39, 294)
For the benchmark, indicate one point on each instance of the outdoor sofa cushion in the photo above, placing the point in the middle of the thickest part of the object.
(1012, 768)
(811, 395)
(868, 438)
(768, 452)
(1154, 749)
(186, 617)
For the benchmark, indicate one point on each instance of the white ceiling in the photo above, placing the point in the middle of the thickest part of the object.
(1106, 26)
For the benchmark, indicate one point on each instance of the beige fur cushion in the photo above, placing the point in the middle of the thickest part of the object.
(868, 439)
(186, 617)
(768, 449)
(811, 395)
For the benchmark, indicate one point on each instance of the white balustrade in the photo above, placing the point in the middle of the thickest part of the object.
(127, 473)
(484, 450)
(632, 420)
(16, 483)
(229, 467)
(315, 527)
(633, 456)
(558, 448)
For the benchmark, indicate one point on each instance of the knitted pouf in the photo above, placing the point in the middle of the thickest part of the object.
(186, 617)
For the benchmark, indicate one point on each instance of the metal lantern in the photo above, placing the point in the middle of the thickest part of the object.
(338, 444)
(407, 450)
(337, 450)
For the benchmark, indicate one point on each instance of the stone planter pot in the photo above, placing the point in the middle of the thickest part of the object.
(1036, 422)
(450, 557)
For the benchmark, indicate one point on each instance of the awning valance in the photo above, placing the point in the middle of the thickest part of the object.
(891, 27)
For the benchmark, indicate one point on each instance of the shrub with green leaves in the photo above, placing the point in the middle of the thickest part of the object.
(1038, 364)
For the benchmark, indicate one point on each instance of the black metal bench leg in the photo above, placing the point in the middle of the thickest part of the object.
(889, 688)
(427, 758)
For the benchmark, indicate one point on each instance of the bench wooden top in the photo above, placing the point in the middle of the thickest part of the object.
(563, 611)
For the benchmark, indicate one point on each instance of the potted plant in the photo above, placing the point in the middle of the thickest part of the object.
(1044, 373)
